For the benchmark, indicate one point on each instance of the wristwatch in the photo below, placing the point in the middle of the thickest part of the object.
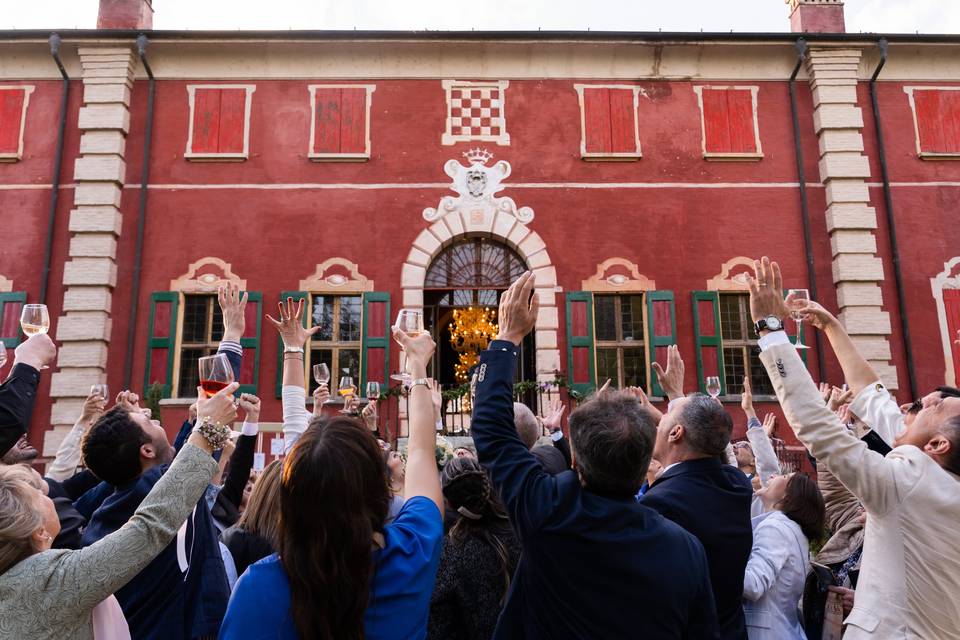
(770, 323)
(419, 381)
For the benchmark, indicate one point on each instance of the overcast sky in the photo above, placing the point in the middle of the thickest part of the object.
(885, 16)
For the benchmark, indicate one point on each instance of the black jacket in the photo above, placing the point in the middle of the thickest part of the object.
(226, 507)
(592, 566)
(711, 500)
(18, 394)
(245, 547)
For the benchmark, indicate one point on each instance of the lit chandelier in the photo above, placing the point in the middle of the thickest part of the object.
(471, 331)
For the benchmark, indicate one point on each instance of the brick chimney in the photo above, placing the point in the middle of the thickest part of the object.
(814, 16)
(125, 14)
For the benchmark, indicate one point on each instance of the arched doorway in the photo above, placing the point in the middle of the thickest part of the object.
(471, 272)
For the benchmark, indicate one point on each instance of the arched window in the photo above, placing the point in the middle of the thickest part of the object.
(476, 263)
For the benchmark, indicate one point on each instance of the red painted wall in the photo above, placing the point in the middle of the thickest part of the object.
(678, 236)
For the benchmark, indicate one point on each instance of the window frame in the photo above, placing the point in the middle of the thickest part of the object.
(748, 344)
(179, 344)
(927, 155)
(315, 156)
(730, 156)
(27, 89)
(335, 345)
(619, 344)
(214, 156)
(609, 155)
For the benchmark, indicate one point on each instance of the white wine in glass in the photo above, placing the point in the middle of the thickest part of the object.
(34, 319)
(713, 386)
(99, 390)
(346, 390)
(796, 300)
(410, 321)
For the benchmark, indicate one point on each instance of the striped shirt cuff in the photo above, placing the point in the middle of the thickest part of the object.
(230, 345)
(754, 423)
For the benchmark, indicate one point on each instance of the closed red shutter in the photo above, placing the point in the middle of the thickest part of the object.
(609, 122)
(11, 119)
(938, 120)
(728, 122)
(340, 121)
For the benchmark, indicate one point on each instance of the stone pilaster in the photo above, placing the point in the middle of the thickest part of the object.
(90, 274)
(851, 221)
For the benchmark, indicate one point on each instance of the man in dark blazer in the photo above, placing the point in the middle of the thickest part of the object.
(706, 496)
(595, 563)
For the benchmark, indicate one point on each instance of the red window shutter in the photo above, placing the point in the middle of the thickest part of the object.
(622, 134)
(951, 301)
(728, 121)
(596, 120)
(233, 103)
(206, 121)
(341, 120)
(11, 114)
(938, 120)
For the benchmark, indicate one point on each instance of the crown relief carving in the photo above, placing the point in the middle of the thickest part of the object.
(476, 185)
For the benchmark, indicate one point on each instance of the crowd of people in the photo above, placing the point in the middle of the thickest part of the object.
(632, 523)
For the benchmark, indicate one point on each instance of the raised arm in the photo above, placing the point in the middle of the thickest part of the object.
(65, 464)
(421, 477)
(233, 308)
(19, 392)
(765, 458)
(111, 562)
(241, 462)
(868, 475)
(293, 335)
(856, 370)
(771, 548)
(527, 491)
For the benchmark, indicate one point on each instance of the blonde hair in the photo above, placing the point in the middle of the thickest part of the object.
(21, 514)
(262, 514)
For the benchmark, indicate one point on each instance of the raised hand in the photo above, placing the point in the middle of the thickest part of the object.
(38, 351)
(766, 291)
(321, 395)
(93, 407)
(518, 309)
(816, 316)
(645, 402)
(746, 398)
(289, 326)
(251, 407)
(825, 391)
(369, 416)
(232, 304)
(671, 380)
(219, 407)
(553, 419)
(418, 349)
(769, 424)
(437, 397)
(839, 397)
(129, 401)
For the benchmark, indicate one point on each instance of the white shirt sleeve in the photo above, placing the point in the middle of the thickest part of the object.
(877, 409)
(295, 416)
(68, 454)
(767, 463)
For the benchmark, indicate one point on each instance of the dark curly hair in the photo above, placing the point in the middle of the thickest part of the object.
(111, 448)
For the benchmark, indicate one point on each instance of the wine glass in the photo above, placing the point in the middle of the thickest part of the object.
(713, 386)
(3, 354)
(346, 390)
(34, 319)
(99, 390)
(796, 300)
(321, 373)
(410, 321)
(215, 373)
(373, 390)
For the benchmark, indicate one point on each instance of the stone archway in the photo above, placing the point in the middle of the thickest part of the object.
(475, 211)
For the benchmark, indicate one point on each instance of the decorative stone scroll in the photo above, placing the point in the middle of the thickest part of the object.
(733, 275)
(6, 284)
(205, 275)
(336, 275)
(618, 274)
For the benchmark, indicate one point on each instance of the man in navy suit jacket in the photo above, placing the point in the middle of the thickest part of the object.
(595, 563)
(707, 497)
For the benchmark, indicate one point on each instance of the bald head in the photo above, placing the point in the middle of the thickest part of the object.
(527, 426)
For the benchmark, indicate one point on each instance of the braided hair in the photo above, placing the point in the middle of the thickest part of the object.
(468, 490)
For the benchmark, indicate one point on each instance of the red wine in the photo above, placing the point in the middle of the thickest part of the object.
(211, 387)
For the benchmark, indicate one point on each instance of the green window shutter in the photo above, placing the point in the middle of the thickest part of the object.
(661, 332)
(161, 340)
(10, 306)
(581, 364)
(375, 344)
(250, 367)
(706, 325)
(296, 295)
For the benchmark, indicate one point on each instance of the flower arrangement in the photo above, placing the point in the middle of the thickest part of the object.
(444, 452)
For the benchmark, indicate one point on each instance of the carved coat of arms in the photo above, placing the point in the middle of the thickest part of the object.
(476, 185)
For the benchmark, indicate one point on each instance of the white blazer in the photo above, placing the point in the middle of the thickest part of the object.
(773, 582)
(909, 585)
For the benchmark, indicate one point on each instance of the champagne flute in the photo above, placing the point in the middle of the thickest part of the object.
(410, 321)
(796, 300)
(34, 319)
(346, 390)
(321, 373)
(100, 390)
(373, 391)
(713, 386)
(215, 373)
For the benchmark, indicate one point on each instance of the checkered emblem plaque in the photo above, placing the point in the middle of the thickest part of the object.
(475, 112)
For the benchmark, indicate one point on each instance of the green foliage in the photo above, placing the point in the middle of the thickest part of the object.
(151, 399)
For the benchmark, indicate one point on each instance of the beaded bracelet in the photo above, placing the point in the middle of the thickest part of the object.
(215, 433)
